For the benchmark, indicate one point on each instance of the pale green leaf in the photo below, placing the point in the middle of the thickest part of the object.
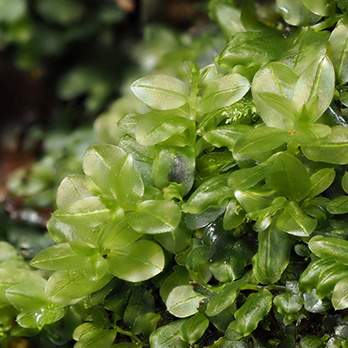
(333, 149)
(223, 91)
(340, 295)
(337, 51)
(183, 302)
(137, 261)
(70, 286)
(155, 217)
(317, 80)
(59, 257)
(261, 140)
(161, 92)
(279, 79)
(155, 127)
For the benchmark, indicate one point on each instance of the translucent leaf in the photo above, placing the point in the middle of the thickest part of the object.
(70, 286)
(261, 140)
(295, 221)
(84, 216)
(161, 92)
(251, 48)
(183, 301)
(143, 157)
(194, 328)
(168, 336)
(272, 256)
(321, 180)
(333, 149)
(207, 75)
(155, 127)
(118, 235)
(180, 276)
(59, 257)
(317, 80)
(222, 92)
(286, 107)
(137, 262)
(72, 189)
(155, 217)
(98, 162)
(337, 51)
(325, 247)
(27, 297)
(308, 46)
(290, 177)
(296, 13)
(250, 314)
(126, 182)
(340, 295)
(38, 319)
(10, 277)
(319, 7)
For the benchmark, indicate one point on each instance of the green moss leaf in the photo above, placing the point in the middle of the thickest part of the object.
(223, 91)
(155, 217)
(272, 256)
(137, 262)
(183, 302)
(161, 92)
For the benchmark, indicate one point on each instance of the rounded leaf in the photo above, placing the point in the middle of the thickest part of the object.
(155, 217)
(194, 328)
(161, 92)
(137, 262)
(317, 80)
(275, 78)
(223, 91)
(183, 301)
(340, 295)
(155, 127)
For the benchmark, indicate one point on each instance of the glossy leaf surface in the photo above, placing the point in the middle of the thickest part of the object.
(272, 256)
(223, 91)
(250, 314)
(137, 262)
(155, 217)
(183, 301)
(161, 92)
